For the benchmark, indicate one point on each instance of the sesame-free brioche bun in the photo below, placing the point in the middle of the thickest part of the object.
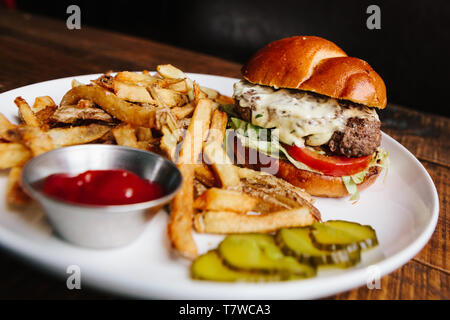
(317, 65)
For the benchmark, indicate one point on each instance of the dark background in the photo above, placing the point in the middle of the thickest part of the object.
(411, 51)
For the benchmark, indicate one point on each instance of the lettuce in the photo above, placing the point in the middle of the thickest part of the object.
(379, 159)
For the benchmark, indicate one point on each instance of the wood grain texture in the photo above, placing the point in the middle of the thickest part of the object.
(34, 49)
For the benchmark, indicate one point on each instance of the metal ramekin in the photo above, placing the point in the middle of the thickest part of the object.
(100, 226)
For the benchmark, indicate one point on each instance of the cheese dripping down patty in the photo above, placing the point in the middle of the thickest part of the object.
(301, 117)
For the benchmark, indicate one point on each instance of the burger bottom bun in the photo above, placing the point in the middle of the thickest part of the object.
(315, 184)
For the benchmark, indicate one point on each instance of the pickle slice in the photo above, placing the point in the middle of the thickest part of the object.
(210, 267)
(297, 242)
(259, 252)
(337, 234)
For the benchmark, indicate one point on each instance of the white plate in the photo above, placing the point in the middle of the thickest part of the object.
(403, 209)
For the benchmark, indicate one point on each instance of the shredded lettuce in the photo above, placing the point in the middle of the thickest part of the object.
(379, 159)
(266, 141)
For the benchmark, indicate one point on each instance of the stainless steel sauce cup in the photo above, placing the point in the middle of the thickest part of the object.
(100, 226)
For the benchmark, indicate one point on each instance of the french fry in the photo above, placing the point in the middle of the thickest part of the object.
(198, 93)
(13, 155)
(6, 127)
(134, 77)
(216, 156)
(222, 99)
(178, 85)
(75, 114)
(211, 93)
(61, 137)
(180, 225)
(26, 114)
(45, 116)
(35, 139)
(171, 72)
(131, 92)
(85, 103)
(14, 192)
(184, 111)
(196, 132)
(144, 134)
(115, 106)
(42, 102)
(125, 135)
(205, 175)
(226, 222)
(169, 98)
(169, 143)
(225, 200)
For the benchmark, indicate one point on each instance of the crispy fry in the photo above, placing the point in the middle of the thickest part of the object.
(216, 156)
(25, 113)
(13, 155)
(211, 93)
(178, 85)
(171, 72)
(134, 77)
(35, 139)
(222, 99)
(205, 175)
(184, 111)
(14, 192)
(198, 93)
(125, 135)
(225, 222)
(168, 98)
(122, 110)
(131, 92)
(42, 102)
(225, 200)
(6, 127)
(61, 137)
(198, 128)
(76, 114)
(179, 228)
(45, 115)
(144, 134)
(169, 143)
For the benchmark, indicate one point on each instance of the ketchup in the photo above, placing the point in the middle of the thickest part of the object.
(102, 187)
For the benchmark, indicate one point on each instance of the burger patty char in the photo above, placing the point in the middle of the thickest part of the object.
(361, 137)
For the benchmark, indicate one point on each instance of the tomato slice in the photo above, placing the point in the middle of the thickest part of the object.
(336, 166)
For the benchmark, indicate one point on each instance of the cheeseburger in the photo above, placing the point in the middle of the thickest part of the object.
(317, 109)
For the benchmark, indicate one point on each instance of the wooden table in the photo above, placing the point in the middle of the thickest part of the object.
(34, 49)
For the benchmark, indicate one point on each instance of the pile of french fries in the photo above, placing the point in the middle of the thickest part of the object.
(169, 114)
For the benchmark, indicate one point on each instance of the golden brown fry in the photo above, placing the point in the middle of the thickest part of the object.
(184, 111)
(211, 93)
(133, 77)
(115, 106)
(178, 85)
(131, 92)
(42, 102)
(171, 72)
(216, 156)
(6, 127)
(168, 143)
(197, 130)
(168, 98)
(180, 226)
(125, 135)
(225, 222)
(205, 175)
(35, 139)
(13, 155)
(25, 113)
(14, 192)
(198, 93)
(61, 137)
(222, 99)
(225, 200)
(144, 134)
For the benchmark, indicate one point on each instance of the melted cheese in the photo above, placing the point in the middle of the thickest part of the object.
(301, 118)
